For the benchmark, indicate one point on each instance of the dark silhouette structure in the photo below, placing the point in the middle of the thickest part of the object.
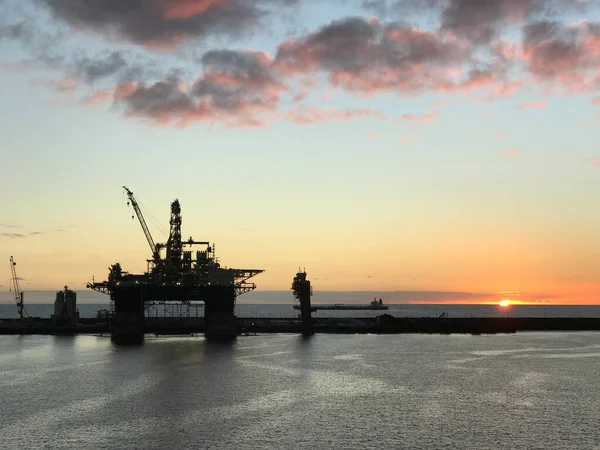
(302, 292)
(19, 294)
(188, 273)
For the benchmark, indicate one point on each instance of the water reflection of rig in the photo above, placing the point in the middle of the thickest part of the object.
(175, 284)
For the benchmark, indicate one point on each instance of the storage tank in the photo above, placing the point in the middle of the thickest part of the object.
(65, 308)
(59, 303)
(71, 305)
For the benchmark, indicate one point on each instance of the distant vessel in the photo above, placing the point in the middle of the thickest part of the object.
(374, 305)
(377, 304)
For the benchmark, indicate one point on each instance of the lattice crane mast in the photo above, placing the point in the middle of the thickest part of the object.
(17, 288)
(154, 247)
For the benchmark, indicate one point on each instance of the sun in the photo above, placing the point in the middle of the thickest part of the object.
(504, 303)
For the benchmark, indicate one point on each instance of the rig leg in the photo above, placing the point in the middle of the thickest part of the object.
(307, 323)
(127, 327)
(219, 317)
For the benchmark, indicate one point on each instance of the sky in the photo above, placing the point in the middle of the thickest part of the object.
(442, 146)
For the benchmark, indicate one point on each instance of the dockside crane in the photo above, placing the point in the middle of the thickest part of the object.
(154, 247)
(18, 292)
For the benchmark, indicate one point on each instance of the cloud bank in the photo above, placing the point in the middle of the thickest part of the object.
(489, 49)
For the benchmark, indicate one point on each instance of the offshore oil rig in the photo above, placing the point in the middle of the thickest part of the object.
(179, 275)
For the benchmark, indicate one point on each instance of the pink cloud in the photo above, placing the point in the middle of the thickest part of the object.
(534, 105)
(565, 55)
(307, 116)
(365, 57)
(123, 90)
(406, 140)
(503, 89)
(476, 79)
(514, 151)
(439, 103)
(466, 54)
(496, 86)
(186, 9)
(237, 88)
(425, 118)
(372, 133)
(64, 85)
(480, 21)
(97, 98)
(303, 89)
(506, 49)
(593, 161)
(162, 24)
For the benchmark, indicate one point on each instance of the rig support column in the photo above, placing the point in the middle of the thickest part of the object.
(127, 326)
(219, 317)
(302, 292)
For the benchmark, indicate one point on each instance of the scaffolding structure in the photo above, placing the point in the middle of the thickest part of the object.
(174, 310)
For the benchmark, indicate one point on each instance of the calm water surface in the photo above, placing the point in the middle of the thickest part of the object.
(524, 391)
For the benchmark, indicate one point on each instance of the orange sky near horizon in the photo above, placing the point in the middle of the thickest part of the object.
(447, 147)
(544, 264)
(485, 257)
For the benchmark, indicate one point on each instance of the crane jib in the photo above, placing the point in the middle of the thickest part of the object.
(140, 216)
(17, 288)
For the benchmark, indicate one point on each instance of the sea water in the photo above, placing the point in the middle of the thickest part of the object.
(518, 391)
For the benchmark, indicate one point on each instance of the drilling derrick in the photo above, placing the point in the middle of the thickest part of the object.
(175, 282)
(174, 245)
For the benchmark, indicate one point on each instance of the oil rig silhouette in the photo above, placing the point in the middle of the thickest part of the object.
(179, 275)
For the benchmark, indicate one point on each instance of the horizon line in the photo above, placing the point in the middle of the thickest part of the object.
(459, 303)
(319, 291)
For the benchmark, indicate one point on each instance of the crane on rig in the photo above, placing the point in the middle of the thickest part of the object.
(18, 292)
(186, 263)
(155, 248)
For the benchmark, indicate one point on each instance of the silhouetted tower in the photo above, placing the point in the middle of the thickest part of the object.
(302, 292)
(174, 246)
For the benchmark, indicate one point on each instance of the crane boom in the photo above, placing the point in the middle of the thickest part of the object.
(138, 212)
(17, 288)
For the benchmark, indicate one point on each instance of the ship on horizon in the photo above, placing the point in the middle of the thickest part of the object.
(375, 305)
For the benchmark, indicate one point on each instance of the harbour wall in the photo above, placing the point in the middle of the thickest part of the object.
(384, 324)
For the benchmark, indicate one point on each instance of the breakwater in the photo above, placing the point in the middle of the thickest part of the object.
(383, 324)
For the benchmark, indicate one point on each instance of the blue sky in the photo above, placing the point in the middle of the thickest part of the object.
(487, 196)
